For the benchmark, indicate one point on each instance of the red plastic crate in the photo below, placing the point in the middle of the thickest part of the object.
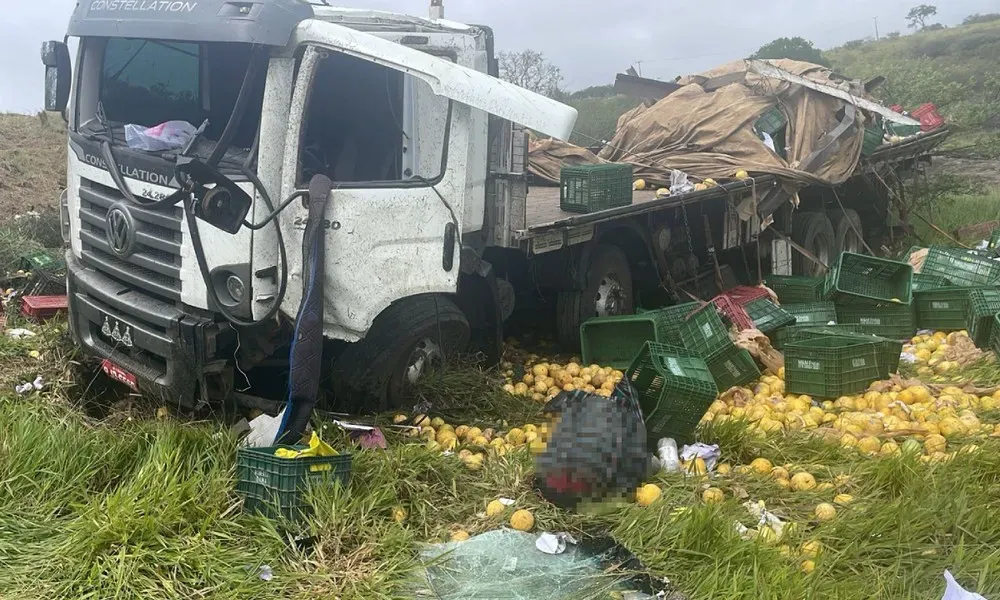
(43, 307)
(745, 294)
(896, 108)
(928, 116)
(733, 311)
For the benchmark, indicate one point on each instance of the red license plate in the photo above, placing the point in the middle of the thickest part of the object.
(119, 374)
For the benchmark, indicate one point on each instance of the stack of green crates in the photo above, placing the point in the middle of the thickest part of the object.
(796, 290)
(615, 341)
(705, 334)
(830, 366)
(995, 335)
(887, 352)
(808, 315)
(966, 268)
(942, 309)
(874, 293)
(675, 389)
(592, 188)
(923, 282)
(984, 304)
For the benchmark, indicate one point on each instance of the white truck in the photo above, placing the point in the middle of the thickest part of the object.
(430, 233)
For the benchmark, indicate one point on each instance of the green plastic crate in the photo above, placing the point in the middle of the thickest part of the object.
(830, 367)
(704, 332)
(962, 267)
(768, 317)
(942, 309)
(812, 313)
(923, 282)
(795, 333)
(796, 290)
(861, 279)
(615, 341)
(771, 122)
(276, 487)
(874, 138)
(675, 390)
(891, 321)
(592, 188)
(44, 260)
(995, 335)
(984, 304)
(903, 130)
(887, 352)
(732, 367)
(671, 318)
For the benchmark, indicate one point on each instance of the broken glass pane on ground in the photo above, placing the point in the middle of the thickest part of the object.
(506, 565)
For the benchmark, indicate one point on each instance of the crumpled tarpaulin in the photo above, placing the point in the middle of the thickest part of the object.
(711, 135)
(547, 157)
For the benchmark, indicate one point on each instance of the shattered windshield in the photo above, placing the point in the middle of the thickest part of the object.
(148, 82)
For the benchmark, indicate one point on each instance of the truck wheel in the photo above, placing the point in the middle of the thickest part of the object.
(407, 339)
(846, 224)
(814, 232)
(608, 293)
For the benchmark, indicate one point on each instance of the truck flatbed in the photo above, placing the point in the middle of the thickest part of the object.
(543, 215)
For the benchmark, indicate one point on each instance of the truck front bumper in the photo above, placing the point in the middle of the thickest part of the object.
(165, 348)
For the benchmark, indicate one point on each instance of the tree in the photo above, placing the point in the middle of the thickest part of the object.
(892, 35)
(793, 48)
(530, 70)
(919, 14)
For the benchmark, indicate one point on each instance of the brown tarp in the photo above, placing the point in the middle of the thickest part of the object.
(710, 133)
(547, 157)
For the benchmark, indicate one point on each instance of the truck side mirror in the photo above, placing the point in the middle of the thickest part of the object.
(58, 73)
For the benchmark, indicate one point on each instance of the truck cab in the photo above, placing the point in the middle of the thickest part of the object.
(423, 144)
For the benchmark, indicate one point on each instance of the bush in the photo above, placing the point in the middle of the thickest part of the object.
(978, 18)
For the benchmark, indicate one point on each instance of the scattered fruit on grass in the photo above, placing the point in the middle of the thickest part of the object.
(825, 512)
(713, 496)
(648, 494)
(459, 536)
(783, 483)
(843, 499)
(696, 467)
(494, 508)
(869, 445)
(811, 549)
(761, 465)
(522, 520)
(400, 419)
(912, 447)
(825, 486)
(935, 443)
(780, 473)
(399, 514)
(723, 469)
(803, 481)
(473, 462)
(421, 421)
(808, 566)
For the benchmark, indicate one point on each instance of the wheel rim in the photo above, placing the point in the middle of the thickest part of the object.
(610, 299)
(424, 355)
(852, 243)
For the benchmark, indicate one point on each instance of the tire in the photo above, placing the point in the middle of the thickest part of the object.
(608, 291)
(814, 232)
(845, 226)
(375, 373)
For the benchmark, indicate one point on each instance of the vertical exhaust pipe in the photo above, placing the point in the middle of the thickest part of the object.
(437, 9)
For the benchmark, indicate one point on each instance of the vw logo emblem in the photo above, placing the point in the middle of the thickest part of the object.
(120, 232)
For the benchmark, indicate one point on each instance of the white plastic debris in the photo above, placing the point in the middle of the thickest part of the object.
(18, 334)
(679, 183)
(954, 591)
(764, 517)
(266, 573)
(670, 461)
(263, 430)
(908, 357)
(28, 387)
(709, 454)
(508, 502)
(171, 135)
(553, 543)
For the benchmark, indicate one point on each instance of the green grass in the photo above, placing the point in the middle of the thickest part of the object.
(146, 509)
(952, 202)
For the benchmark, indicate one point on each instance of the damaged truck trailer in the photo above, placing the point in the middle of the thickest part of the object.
(242, 174)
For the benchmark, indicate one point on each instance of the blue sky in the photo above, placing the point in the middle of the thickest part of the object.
(590, 40)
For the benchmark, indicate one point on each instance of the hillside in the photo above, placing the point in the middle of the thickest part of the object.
(955, 68)
(32, 163)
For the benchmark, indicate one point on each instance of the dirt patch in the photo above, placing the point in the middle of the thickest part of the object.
(32, 163)
(986, 171)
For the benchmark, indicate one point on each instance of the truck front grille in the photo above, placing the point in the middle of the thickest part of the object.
(155, 263)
